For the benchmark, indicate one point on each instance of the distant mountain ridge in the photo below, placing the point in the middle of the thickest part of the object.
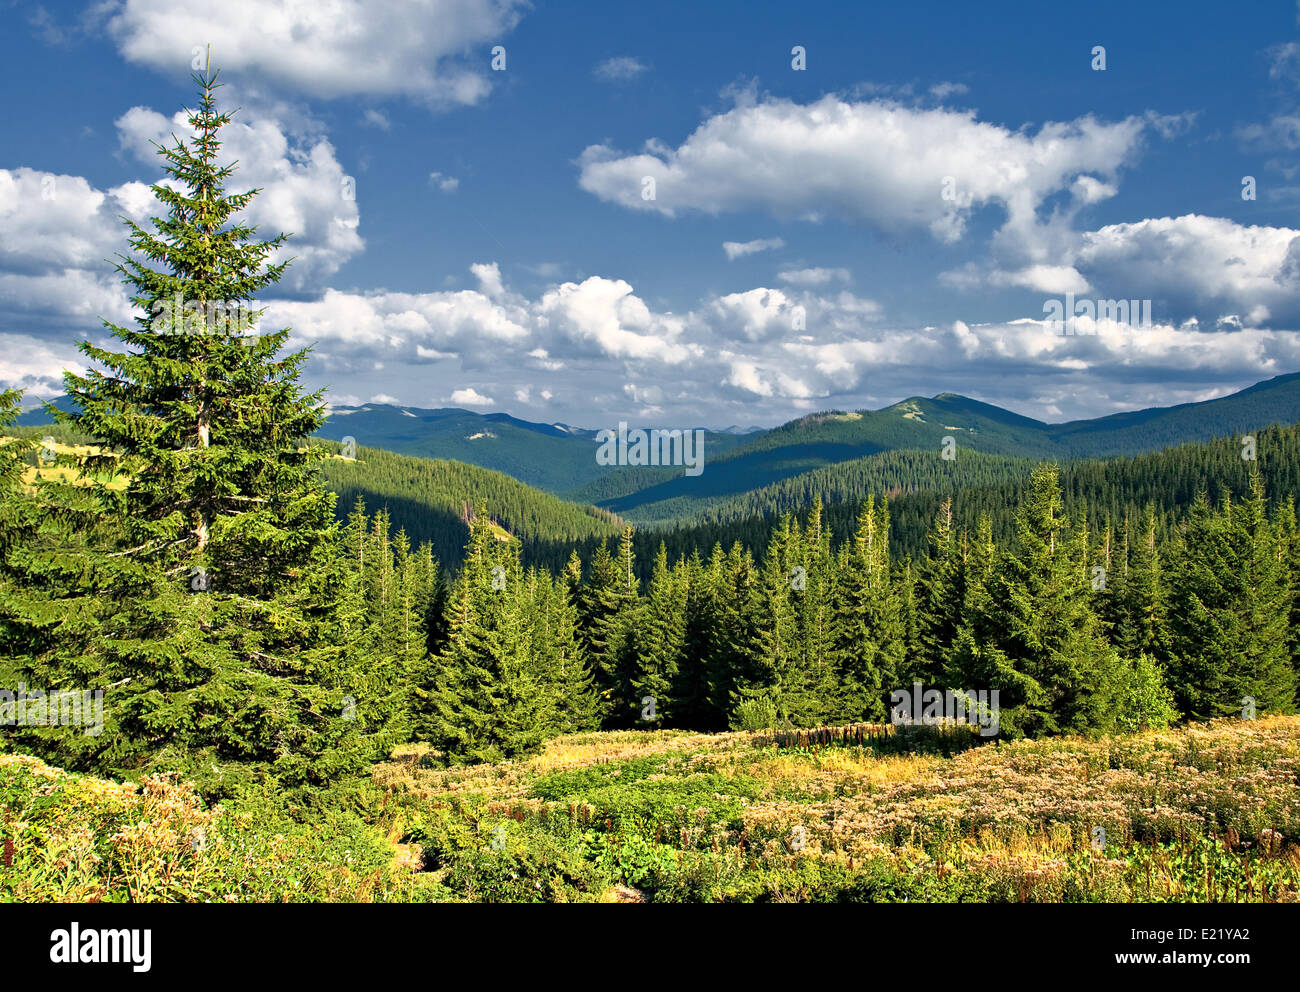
(560, 458)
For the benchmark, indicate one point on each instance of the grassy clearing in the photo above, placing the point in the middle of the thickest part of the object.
(1205, 813)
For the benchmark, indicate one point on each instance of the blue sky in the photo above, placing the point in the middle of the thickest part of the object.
(499, 253)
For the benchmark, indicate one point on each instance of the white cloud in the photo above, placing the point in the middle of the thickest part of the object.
(50, 222)
(620, 69)
(838, 158)
(304, 189)
(941, 91)
(435, 51)
(376, 118)
(739, 249)
(35, 365)
(1053, 279)
(1197, 264)
(489, 279)
(603, 316)
(470, 397)
(1091, 190)
(813, 277)
(448, 184)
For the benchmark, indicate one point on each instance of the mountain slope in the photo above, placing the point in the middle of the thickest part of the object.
(554, 457)
(921, 425)
(562, 459)
(1274, 401)
(429, 497)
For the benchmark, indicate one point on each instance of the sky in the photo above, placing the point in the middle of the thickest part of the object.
(686, 214)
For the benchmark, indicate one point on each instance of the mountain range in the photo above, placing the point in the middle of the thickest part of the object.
(560, 459)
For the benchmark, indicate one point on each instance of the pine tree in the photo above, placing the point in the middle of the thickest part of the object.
(489, 698)
(868, 623)
(693, 703)
(812, 701)
(1038, 640)
(660, 641)
(735, 643)
(607, 608)
(768, 683)
(219, 628)
(1139, 605)
(1288, 531)
(940, 594)
(49, 603)
(559, 657)
(1231, 607)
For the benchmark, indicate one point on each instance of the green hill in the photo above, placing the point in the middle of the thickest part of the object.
(919, 426)
(431, 499)
(554, 457)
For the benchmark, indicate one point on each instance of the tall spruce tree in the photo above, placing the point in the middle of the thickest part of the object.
(1232, 603)
(693, 703)
(488, 698)
(767, 686)
(940, 595)
(868, 620)
(810, 703)
(659, 642)
(1037, 640)
(220, 632)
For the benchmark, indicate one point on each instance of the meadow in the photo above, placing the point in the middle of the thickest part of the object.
(1209, 812)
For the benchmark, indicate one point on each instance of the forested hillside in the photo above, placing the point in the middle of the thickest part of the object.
(751, 472)
(431, 501)
(918, 481)
(561, 459)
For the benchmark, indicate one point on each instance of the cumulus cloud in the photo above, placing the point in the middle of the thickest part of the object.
(54, 222)
(739, 249)
(833, 157)
(58, 235)
(763, 355)
(470, 397)
(304, 189)
(603, 316)
(1043, 279)
(1197, 265)
(434, 51)
(35, 365)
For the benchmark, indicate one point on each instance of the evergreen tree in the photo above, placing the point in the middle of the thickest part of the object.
(693, 703)
(1038, 640)
(559, 658)
(940, 595)
(488, 699)
(660, 640)
(1231, 608)
(868, 622)
(809, 702)
(219, 614)
(768, 686)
